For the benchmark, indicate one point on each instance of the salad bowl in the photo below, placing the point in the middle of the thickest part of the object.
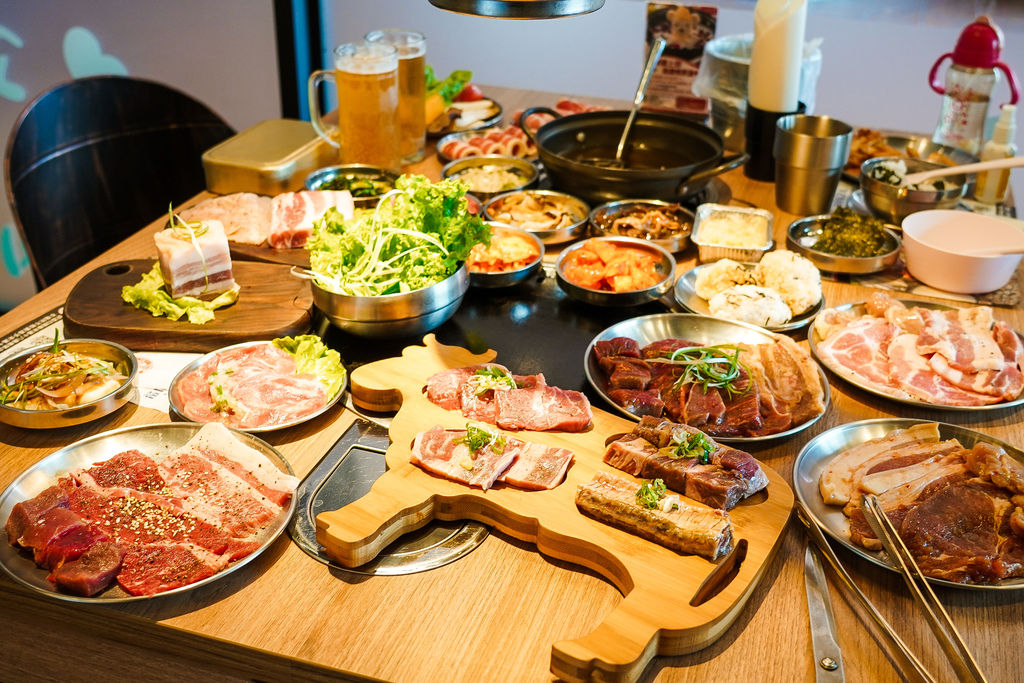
(394, 315)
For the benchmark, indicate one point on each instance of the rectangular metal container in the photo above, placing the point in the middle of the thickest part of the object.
(709, 247)
(272, 157)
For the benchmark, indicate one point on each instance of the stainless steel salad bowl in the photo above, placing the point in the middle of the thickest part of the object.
(85, 412)
(394, 315)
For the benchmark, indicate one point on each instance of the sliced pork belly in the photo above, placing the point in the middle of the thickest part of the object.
(963, 336)
(27, 512)
(215, 442)
(246, 216)
(195, 262)
(913, 373)
(836, 481)
(92, 572)
(689, 529)
(292, 214)
(536, 466)
(861, 349)
(156, 568)
(439, 451)
(216, 495)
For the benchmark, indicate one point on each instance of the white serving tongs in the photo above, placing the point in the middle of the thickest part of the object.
(913, 669)
(938, 619)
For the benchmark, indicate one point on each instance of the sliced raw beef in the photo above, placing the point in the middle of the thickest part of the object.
(48, 528)
(445, 388)
(626, 373)
(69, 546)
(292, 214)
(664, 347)
(27, 512)
(619, 346)
(638, 403)
(130, 469)
(440, 451)
(92, 572)
(687, 529)
(156, 568)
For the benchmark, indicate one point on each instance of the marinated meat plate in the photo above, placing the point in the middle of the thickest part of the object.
(152, 522)
(726, 390)
(957, 358)
(958, 510)
(491, 393)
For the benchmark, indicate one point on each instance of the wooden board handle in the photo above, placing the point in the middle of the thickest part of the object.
(358, 532)
(619, 649)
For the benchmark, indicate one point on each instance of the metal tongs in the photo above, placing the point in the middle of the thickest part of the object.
(907, 658)
(938, 619)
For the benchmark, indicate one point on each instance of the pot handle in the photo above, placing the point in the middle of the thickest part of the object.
(532, 110)
(727, 164)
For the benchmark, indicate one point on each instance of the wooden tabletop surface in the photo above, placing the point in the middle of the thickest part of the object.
(492, 615)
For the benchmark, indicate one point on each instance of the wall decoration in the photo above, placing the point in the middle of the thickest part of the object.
(9, 90)
(83, 55)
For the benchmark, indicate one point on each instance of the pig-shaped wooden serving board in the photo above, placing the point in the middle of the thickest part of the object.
(655, 616)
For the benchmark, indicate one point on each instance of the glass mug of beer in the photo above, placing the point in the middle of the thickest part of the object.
(366, 75)
(412, 87)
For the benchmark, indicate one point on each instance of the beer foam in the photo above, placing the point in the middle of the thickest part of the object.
(367, 66)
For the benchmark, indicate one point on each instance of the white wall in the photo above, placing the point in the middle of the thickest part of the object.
(876, 53)
(220, 52)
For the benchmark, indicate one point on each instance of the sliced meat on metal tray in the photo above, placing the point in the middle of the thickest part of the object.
(27, 512)
(292, 214)
(156, 568)
(93, 571)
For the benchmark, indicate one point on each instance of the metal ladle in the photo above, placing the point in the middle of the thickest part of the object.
(641, 91)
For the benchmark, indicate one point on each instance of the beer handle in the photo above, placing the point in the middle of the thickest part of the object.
(314, 106)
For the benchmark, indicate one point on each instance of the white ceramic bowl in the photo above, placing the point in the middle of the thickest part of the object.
(935, 245)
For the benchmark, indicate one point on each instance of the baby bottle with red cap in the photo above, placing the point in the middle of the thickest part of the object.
(968, 85)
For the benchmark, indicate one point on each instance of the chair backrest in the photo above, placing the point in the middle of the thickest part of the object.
(93, 160)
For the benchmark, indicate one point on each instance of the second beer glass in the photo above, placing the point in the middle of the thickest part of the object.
(412, 87)
(366, 75)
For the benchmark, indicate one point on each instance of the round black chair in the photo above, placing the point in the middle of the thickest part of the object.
(93, 160)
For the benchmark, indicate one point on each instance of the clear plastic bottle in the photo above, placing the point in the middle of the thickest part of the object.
(991, 186)
(968, 85)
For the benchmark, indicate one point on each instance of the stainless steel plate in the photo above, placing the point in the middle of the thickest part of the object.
(179, 409)
(463, 136)
(686, 296)
(919, 147)
(493, 118)
(803, 234)
(857, 381)
(822, 448)
(697, 328)
(150, 439)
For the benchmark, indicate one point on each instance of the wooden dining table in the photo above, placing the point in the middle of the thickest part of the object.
(494, 614)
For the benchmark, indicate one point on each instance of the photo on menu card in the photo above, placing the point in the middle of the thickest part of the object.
(686, 30)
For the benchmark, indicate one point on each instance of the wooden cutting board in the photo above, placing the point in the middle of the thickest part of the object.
(261, 252)
(272, 303)
(654, 617)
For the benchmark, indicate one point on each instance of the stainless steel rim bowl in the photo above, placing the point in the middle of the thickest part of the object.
(528, 170)
(507, 278)
(602, 217)
(666, 266)
(893, 203)
(317, 178)
(804, 232)
(74, 415)
(394, 315)
(551, 236)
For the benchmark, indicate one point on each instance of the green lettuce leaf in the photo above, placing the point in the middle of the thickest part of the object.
(419, 234)
(314, 357)
(450, 87)
(149, 295)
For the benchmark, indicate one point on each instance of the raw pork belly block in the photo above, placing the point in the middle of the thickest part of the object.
(195, 262)
(292, 214)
